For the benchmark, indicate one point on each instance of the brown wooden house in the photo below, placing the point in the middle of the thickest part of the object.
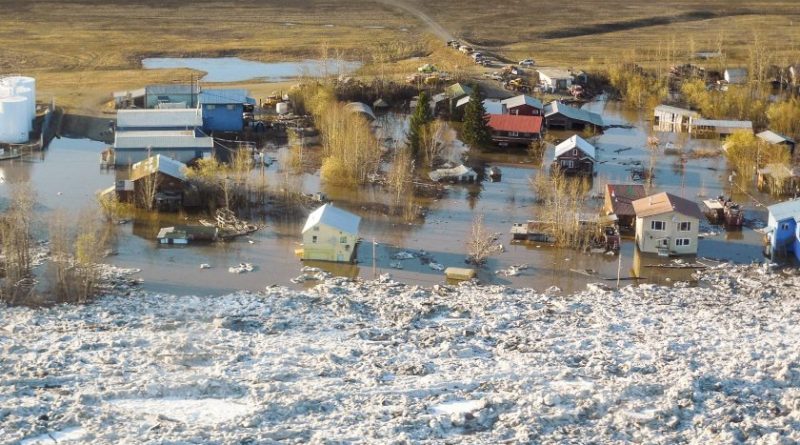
(575, 156)
(618, 201)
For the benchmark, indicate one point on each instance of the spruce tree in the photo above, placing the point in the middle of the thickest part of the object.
(422, 116)
(476, 130)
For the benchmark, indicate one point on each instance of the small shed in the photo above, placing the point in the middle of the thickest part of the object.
(667, 225)
(618, 201)
(779, 179)
(559, 116)
(509, 129)
(523, 105)
(224, 109)
(163, 178)
(774, 138)
(555, 79)
(575, 156)
(669, 118)
(718, 127)
(330, 234)
(783, 229)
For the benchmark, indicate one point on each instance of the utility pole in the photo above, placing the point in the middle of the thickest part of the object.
(374, 260)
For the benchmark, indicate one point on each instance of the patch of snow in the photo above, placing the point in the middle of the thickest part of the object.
(204, 412)
(458, 407)
(67, 434)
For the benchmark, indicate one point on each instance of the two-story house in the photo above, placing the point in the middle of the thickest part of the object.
(667, 224)
(783, 230)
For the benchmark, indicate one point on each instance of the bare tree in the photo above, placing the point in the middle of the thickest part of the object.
(15, 232)
(481, 244)
(146, 194)
(401, 172)
(434, 141)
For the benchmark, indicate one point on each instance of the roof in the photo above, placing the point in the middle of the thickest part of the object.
(723, 123)
(575, 141)
(360, 107)
(622, 197)
(161, 139)
(665, 203)
(334, 217)
(512, 122)
(490, 106)
(774, 138)
(676, 110)
(522, 99)
(785, 210)
(171, 89)
(555, 73)
(159, 118)
(573, 113)
(158, 163)
(458, 90)
(223, 96)
(455, 172)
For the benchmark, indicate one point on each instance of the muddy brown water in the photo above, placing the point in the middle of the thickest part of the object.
(67, 176)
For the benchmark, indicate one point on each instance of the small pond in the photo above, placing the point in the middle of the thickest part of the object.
(234, 69)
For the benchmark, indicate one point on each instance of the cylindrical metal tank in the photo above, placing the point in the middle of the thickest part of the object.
(18, 82)
(282, 107)
(27, 93)
(16, 120)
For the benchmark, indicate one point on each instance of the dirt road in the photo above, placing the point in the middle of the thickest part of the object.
(432, 25)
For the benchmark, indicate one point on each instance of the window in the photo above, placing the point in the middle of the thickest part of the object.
(347, 247)
(229, 107)
(314, 239)
(574, 152)
(785, 226)
(682, 242)
(513, 133)
(343, 240)
(684, 226)
(658, 225)
(211, 107)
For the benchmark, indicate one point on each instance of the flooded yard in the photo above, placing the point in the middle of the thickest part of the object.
(67, 176)
(234, 69)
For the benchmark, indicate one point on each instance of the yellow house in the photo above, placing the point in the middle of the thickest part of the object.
(667, 225)
(330, 234)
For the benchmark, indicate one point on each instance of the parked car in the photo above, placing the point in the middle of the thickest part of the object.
(527, 62)
(453, 43)
(477, 56)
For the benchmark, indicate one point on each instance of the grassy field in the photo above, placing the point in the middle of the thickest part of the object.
(81, 51)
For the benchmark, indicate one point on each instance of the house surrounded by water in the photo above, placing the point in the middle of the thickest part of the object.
(618, 201)
(575, 156)
(667, 225)
(224, 109)
(783, 229)
(559, 116)
(510, 129)
(669, 118)
(330, 234)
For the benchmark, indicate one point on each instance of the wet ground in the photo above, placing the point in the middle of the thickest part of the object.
(67, 176)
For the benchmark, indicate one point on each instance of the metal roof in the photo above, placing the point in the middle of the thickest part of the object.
(223, 96)
(622, 197)
(774, 138)
(334, 217)
(454, 172)
(160, 118)
(513, 122)
(158, 163)
(360, 107)
(573, 113)
(723, 123)
(665, 203)
(676, 110)
(522, 99)
(575, 142)
(161, 139)
(785, 210)
(555, 73)
(171, 89)
(490, 106)
(458, 90)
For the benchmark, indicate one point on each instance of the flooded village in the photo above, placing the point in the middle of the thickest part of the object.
(570, 184)
(399, 222)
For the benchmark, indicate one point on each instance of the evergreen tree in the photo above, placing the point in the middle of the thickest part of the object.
(476, 131)
(422, 116)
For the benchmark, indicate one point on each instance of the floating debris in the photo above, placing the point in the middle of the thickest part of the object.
(241, 268)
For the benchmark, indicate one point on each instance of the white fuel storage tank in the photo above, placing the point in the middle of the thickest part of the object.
(16, 121)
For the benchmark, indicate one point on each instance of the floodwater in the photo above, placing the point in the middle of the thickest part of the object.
(234, 69)
(67, 176)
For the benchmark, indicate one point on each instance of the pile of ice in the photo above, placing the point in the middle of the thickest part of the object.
(382, 362)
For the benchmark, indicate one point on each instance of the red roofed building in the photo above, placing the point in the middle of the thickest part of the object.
(509, 129)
